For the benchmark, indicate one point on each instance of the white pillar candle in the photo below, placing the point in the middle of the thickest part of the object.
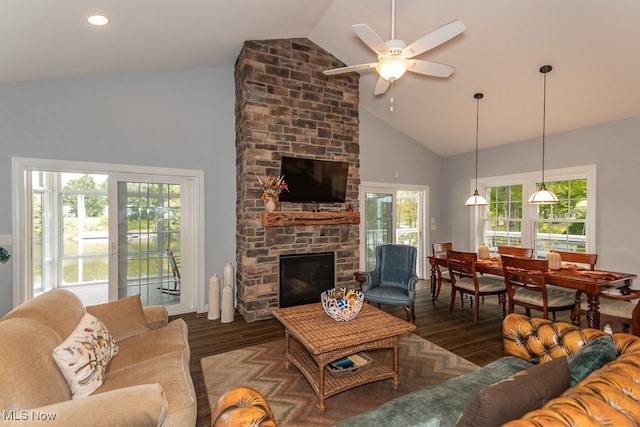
(227, 304)
(228, 278)
(214, 298)
(228, 274)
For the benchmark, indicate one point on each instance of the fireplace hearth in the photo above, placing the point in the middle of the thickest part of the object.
(303, 277)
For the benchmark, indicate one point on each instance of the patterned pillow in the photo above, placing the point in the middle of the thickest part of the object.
(83, 357)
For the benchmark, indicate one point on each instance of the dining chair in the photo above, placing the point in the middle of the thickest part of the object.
(525, 280)
(465, 280)
(515, 251)
(619, 308)
(440, 249)
(394, 279)
(579, 258)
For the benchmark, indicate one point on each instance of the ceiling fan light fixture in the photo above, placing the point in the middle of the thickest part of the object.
(395, 57)
(392, 68)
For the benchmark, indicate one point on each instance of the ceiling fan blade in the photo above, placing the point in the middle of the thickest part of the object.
(433, 39)
(370, 38)
(381, 86)
(429, 68)
(349, 69)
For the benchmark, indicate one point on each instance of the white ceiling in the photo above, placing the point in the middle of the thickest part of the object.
(591, 44)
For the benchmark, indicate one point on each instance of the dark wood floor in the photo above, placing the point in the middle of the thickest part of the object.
(480, 343)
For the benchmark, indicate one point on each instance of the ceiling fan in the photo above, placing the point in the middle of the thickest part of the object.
(395, 56)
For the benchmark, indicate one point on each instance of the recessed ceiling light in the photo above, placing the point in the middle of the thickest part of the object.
(98, 20)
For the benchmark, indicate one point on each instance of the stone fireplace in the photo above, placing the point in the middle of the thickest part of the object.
(286, 106)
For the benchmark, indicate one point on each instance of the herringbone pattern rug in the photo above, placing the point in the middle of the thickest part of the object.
(291, 397)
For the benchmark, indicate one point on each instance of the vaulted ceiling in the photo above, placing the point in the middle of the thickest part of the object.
(591, 44)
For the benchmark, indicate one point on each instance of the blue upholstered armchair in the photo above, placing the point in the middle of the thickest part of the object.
(394, 279)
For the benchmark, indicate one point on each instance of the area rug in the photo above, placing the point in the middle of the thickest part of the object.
(291, 397)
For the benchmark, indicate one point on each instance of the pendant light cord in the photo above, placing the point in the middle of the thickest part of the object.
(478, 97)
(544, 70)
(544, 120)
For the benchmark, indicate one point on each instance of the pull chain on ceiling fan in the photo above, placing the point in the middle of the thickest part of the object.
(395, 56)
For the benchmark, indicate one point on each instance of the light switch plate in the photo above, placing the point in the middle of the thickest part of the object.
(5, 239)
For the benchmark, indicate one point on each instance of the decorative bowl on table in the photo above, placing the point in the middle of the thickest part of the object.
(342, 304)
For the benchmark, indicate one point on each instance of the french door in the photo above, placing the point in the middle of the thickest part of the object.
(107, 231)
(392, 215)
(147, 255)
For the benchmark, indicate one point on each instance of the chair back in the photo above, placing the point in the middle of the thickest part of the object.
(396, 264)
(516, 251)
(524, 273)
(439, 249)
(462, 264)
(580, 258)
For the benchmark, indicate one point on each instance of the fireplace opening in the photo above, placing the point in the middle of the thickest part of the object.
(303, 277)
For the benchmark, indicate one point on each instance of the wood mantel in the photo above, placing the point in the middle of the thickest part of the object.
(283, 219)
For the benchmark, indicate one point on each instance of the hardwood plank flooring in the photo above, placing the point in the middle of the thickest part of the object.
(479, 343)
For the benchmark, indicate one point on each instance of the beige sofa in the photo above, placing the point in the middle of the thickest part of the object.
(146, 383)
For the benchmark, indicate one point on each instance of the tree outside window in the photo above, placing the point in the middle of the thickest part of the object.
(562, 226)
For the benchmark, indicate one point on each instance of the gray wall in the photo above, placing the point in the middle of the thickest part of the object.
(184, 119)
(614, 149)
(181, 119)
(384, 150)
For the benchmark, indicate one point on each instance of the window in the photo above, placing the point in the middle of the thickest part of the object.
(563, 226)
(568, 225)
(503, 221)
(392, 215)
(107, 231)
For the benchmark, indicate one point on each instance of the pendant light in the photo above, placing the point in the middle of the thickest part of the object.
(543, 196)
(476, 199)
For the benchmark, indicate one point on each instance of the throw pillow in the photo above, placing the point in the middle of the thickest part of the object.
(590, 357)
(124, 318)
(83, 357)
(513, 397)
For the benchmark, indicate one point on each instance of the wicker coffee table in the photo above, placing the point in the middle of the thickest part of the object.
(319, 340)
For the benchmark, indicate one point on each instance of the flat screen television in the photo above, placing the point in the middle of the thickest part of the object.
(314, 181)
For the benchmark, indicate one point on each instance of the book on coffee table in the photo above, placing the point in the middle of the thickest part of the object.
(349, 364)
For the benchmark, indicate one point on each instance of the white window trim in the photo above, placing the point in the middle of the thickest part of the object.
(22, 285)
(424, 240)
(528, 181)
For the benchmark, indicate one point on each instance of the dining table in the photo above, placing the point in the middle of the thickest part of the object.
(571, 276)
